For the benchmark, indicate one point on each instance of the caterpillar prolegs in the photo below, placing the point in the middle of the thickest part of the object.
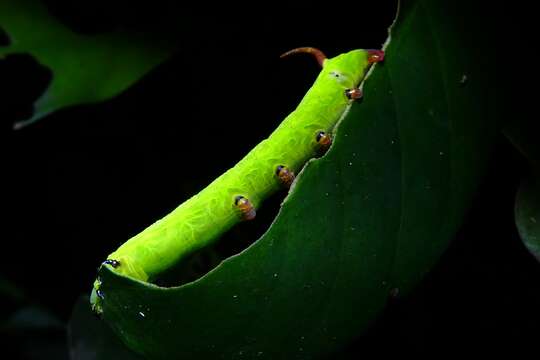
(237, 194)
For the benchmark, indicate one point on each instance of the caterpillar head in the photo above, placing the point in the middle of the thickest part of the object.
(349, 68)
(346, 69)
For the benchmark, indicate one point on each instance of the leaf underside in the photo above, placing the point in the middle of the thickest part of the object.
(367, 220)
(85, 69)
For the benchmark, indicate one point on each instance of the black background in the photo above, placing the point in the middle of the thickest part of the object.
(83, 180)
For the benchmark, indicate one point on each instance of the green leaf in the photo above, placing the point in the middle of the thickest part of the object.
(85, 69)
(364, 222)
(10, 291)
(527, 213)
(523, 135)
(91, 339)
(33, 332)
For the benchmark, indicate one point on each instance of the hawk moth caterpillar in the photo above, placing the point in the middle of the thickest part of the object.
(237, 194)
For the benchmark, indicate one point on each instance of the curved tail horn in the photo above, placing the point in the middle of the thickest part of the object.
(318, 54)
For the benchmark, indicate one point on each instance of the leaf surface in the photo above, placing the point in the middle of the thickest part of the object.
(363, 223)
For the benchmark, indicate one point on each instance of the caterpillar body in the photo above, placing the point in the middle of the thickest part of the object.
(237, 194)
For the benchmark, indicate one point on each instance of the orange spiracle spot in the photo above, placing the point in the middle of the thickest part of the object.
(375, 56)
(245, 207)
(285, 175)
(324, 139)
(353, 94)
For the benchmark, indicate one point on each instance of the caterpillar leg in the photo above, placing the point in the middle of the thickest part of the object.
(353, 94)
(96, 297)
(246, 208)
(285, 175)
(99, 294)
(324, 140)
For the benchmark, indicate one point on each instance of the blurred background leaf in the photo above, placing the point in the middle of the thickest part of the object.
(528, 214)
(33, 332)
(522, 133)
(83, 68)
(10, 291)
(91, 339)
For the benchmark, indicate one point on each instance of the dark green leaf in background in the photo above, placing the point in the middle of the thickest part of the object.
(527, 212)
(34, 332)
(522, 133)
(31, 318)
(85, 68)
(10, 291)
(363, 223)
(91, 339)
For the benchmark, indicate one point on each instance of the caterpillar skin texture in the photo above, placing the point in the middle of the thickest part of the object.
(204, 217)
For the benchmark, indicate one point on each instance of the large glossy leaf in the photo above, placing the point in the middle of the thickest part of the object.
(85, 69)
(363, 223)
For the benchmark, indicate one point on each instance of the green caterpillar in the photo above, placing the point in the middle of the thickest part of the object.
(235, 195)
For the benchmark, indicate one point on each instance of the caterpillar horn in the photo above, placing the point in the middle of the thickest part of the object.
(317, 54)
